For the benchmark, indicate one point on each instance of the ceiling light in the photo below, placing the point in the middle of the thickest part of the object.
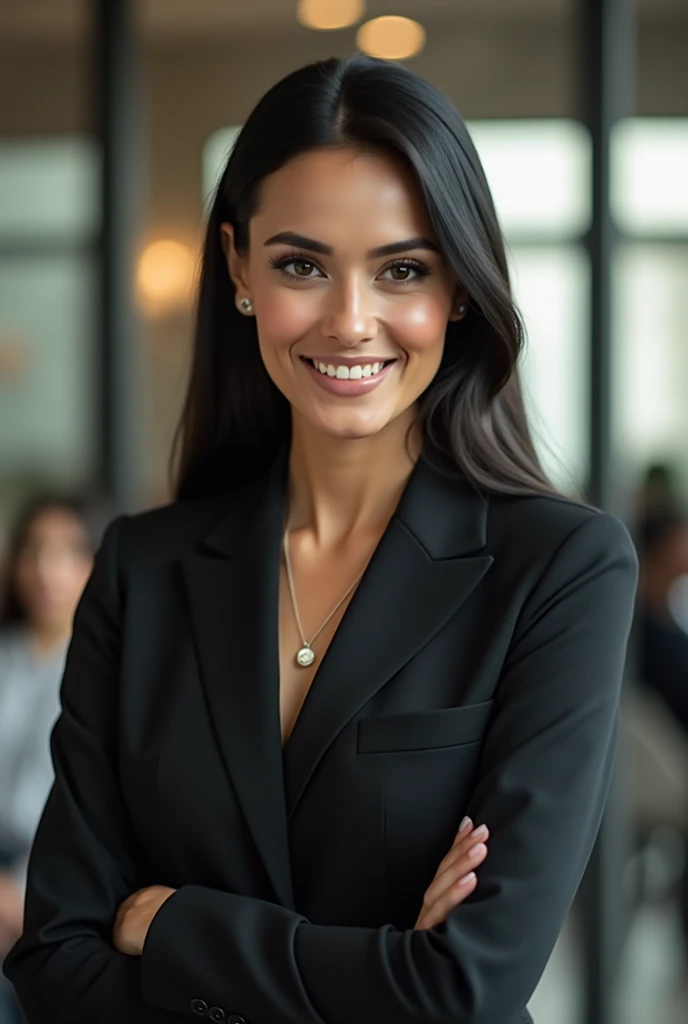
(330, 14)
(391, 38)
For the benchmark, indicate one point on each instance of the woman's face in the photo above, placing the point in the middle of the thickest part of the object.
(350, 292)
(51, 569)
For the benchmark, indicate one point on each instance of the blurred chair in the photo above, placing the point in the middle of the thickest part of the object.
(655, 751)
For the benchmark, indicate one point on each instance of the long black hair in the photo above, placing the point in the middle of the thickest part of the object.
(473, 416)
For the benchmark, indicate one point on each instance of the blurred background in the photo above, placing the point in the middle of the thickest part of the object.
(115, 120)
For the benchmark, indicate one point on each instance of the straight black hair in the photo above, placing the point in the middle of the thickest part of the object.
(473, 417)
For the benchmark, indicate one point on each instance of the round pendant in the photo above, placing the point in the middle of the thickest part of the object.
(305, 657)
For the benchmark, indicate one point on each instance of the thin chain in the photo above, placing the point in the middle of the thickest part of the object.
(290, 580)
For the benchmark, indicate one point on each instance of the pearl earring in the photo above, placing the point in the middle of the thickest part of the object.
(461, 310)
(246, 306)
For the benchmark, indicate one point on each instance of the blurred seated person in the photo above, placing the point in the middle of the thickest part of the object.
(658, 491)
(662, 638)
(49, 560)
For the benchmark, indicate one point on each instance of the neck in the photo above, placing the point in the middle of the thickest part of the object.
(338, 487)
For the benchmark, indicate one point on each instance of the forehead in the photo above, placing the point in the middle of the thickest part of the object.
(348, 197)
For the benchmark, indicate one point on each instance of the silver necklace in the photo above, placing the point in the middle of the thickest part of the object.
(305, 656)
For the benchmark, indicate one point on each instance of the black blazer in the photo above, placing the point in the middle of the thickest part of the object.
(476, 671)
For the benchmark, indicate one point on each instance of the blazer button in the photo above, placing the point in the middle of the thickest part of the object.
(217, 1014)
(234, 1018)
(200, 1007)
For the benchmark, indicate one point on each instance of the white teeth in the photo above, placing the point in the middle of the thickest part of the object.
(348, 372)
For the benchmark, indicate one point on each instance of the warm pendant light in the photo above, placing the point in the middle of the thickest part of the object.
(391, 38)
(165, 275)
(330, 14)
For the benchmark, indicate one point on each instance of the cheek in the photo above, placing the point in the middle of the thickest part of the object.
(283, 316)
(420, 326)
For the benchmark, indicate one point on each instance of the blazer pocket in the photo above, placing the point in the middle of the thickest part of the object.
(423, 730)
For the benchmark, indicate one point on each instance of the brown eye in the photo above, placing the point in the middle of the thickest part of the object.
(302, 268)
(295, 266)
(400, 273)
(406, 271)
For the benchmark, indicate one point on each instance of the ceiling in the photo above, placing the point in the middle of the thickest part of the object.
(46, 20)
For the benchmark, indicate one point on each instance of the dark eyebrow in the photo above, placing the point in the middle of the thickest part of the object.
(301, 242)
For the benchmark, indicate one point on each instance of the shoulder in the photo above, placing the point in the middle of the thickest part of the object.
(545, 525)
(174, 528)
(557, 553)
(143, 544)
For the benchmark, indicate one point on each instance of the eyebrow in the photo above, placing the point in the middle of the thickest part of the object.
(300, 241)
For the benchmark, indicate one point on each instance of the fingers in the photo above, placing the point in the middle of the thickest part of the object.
(460, 856)
(461, 836)
(455, 878)
(453, 896)
(466, 858)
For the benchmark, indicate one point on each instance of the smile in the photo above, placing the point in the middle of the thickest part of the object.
(353, 372)
(348, 379)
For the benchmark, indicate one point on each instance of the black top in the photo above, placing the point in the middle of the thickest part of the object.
(476, 671)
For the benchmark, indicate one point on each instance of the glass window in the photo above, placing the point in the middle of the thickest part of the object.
(551, 288)
(46, 368)
(650, 175)
(538, 173)
(650, 374)
(48, 189)
(48, 214)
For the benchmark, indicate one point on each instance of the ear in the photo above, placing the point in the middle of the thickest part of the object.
(237, 264)
(460, 304)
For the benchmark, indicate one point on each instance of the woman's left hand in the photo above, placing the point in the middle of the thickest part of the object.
(134, 918)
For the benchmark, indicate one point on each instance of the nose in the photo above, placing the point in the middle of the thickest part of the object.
(350, 318)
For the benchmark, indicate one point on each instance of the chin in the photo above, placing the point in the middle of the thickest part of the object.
(348, 428)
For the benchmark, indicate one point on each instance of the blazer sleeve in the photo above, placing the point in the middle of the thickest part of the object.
(84, 860)
(543, 784)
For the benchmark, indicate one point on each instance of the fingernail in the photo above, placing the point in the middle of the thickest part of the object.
(477, 851)
(467, 879)
(480, 832)
(464, 824)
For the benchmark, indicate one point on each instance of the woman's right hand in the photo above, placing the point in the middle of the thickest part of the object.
(455, 878)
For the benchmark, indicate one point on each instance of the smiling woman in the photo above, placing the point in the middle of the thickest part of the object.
(367, 625)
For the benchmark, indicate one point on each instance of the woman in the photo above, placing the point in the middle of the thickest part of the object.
(50, 559)
(367, 617)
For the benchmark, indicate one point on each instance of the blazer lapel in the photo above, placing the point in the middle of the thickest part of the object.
(421, 573)
(232, 589)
